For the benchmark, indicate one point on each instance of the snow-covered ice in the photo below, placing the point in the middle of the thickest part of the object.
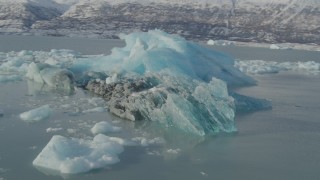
(274, 46)
(52, 76)
(52, 130)
(104, 127)
(265, 67)
(37, 114)
(211, 42)
(147, 142)
(71, 155)
(96, 109)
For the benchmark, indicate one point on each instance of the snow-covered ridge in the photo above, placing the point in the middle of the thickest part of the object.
(241, 20)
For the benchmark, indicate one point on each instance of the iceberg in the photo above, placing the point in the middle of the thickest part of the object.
(104, 127)
(37, 114)
(72, 155)
(164, 78)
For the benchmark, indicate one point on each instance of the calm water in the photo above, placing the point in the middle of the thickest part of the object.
(278, 144)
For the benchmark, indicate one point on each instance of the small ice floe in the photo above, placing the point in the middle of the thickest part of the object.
(147, 142)
(174, 151)
(211, 42)
(71, 155)
(104, 127)
(203, 174)
(71, 131)
(51, 130)
(35, 115)
(274, 46)
(96, 109)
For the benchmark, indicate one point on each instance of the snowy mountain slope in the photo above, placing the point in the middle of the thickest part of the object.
(243, 20)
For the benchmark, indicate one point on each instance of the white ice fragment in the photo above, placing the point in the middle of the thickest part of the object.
(71, 131)
(274, 46)
(121, 141)
(211, 42)
(203, 173)
(50, 130)
(71, 155)
(147, 142)
(104, 127)
(174, 151)
(52, 76)
(96, 109)
(37, 114)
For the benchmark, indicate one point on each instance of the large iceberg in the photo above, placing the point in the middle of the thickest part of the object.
(164, 78)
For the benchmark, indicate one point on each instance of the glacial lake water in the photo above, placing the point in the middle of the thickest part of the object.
(278, 144)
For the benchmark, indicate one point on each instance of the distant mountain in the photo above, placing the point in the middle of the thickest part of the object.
(271, 21)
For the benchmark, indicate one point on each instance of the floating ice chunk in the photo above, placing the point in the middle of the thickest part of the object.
(50, 130)
(37, 114)
(274, 46)
(147, 142)
(249, 104)
(174, 151)
(211, 42)
(71, 156)
(71, 131)
(104, 127)
(96, 109)
(52, 76)
(121, 141)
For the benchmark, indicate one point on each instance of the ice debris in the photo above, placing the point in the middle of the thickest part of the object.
(104, 127)
(37, 114)
(96, 109)
(71, 155)
(267, 67)
(274, 46)
(51, 130)
(52, 76)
